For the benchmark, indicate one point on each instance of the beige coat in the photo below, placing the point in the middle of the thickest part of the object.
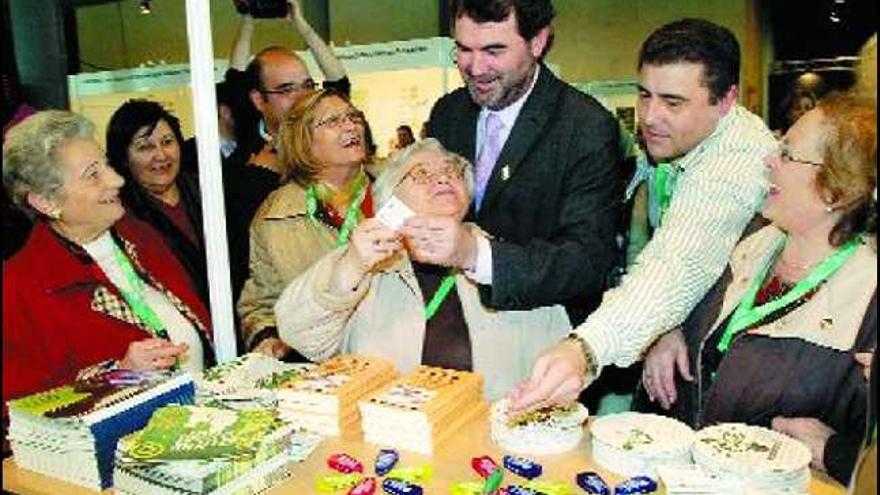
(283, 244)
(384, 317)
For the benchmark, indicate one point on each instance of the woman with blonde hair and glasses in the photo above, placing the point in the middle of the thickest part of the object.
(371, 297)
(321, 144)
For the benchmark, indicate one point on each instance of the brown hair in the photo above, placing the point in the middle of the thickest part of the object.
(848, 177)
(295, 138)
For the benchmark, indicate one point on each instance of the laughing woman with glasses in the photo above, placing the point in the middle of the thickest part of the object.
(780, 340)
(321, 144)
(371, 297)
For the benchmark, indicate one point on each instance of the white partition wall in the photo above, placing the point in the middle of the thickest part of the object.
(201, 61)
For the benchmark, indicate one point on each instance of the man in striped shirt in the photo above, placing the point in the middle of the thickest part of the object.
(688, 84)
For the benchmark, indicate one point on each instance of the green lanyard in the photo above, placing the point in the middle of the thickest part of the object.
(434, 304)
(351, 214)
(747, 314)
(664, 184)
(134, 296)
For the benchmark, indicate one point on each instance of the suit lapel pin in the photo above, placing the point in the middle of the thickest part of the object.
(826, 323)
(505, 172)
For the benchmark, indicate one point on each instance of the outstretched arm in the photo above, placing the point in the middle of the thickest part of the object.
(327, 61)
(241, 46)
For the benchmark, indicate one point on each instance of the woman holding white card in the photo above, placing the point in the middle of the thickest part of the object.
(370, 297)
(321, 141)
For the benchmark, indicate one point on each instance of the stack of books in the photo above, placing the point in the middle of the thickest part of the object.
(324, 399)
(71, 432)
(246, 382)
(202, 450)
(421, 410)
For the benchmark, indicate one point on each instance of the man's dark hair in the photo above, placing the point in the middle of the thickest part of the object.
(697, 41)
(223, 94)
(531, 15)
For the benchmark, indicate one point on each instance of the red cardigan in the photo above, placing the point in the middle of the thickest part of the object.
(61, 314)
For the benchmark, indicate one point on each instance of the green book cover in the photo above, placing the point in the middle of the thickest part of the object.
(192, 432)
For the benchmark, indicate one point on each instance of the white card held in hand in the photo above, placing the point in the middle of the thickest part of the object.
(394, 213)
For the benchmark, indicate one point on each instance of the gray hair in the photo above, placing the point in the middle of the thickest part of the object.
(399, 163)
(30, 161)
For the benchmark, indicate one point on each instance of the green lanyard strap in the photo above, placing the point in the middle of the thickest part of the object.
(134, 295)
(664, 185)
(434, 304)
(351, 214)
(747, 314)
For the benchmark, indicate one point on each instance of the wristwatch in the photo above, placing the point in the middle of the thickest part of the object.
(589, 356)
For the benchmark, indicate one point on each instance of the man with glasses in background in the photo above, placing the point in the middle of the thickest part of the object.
(272, 82)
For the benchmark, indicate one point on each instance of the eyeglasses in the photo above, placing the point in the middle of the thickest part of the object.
(291, 87)
(422, 176)
(336, 121)
(785, 155)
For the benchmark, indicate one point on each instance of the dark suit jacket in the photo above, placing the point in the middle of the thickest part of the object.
(553, 219)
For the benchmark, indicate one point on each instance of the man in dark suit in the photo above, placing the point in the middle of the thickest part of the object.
(546, 164)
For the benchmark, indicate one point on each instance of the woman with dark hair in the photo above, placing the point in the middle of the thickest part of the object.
(144, 147)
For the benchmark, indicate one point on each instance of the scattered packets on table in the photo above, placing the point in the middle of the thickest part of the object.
(467, 488)
(549, 487)
(367, 486)
(520, 466)
(493, 482)
(385, 460)
(421, 474)
(337, 482)
(484, 465)
(636, 485)
(396, 486)
(592, 483)
(345, 463)
(520, 490)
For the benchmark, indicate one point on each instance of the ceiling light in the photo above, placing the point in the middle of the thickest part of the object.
(145, 7)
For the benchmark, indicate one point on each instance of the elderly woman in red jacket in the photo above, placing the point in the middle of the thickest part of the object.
(93, 288)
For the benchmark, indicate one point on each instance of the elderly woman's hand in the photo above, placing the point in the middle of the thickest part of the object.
(658, 372)
(152, 354)
(371, 243)
(440, 241)
(272, 347)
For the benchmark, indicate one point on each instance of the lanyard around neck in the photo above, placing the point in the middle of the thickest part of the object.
(664, 184)
(351, 214)
(434, 304)
(747, 314)
(134, 295)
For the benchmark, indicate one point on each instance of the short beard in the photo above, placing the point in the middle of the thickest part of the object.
(509, 94)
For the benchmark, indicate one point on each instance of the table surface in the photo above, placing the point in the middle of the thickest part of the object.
(451, 464)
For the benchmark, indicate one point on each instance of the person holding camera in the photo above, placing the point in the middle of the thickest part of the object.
(271, 83)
